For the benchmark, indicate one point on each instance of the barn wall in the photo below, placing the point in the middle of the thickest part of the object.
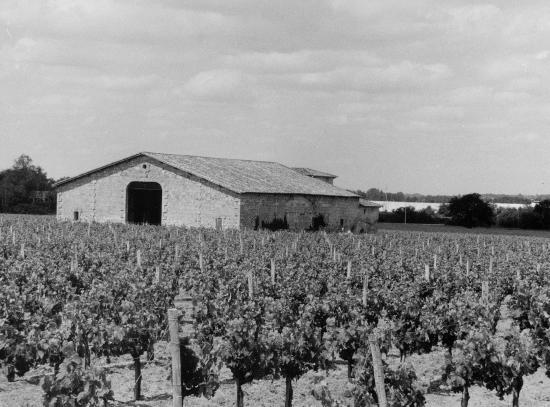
(186, 200)
(299, 210)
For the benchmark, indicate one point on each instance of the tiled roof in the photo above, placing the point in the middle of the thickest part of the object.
(366, 203)
(314, 173)
(241, 176)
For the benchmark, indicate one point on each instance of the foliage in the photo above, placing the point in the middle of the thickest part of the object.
(470, 211)
(74, 386)
(25, 188)
(272, 304)
(401, 387)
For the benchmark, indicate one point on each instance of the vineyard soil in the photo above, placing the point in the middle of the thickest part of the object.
(267, 393)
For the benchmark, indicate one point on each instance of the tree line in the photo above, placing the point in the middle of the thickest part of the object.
(375, 194)
(472, 210)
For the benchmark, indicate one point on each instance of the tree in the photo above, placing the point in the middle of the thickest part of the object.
(25, 188)
(542, 209)
(470, 211)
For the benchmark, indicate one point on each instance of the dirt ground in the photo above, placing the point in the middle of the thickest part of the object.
(264, 393)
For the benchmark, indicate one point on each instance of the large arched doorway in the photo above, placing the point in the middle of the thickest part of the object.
(144, 203)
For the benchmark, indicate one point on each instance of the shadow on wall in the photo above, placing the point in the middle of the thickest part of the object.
(275, 224)
(317, 223)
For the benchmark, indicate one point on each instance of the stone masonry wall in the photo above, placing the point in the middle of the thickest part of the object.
(186, 199)
(299, 210)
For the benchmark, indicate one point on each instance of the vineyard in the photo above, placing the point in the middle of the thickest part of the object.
(272, 307)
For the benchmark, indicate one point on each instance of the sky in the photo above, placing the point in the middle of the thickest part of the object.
(426, 96)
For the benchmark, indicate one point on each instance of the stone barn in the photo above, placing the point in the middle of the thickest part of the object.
(220, 193)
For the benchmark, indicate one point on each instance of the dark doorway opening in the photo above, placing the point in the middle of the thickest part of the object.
(144, 203)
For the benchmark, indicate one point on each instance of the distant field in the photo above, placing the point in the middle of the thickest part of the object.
(415, 227)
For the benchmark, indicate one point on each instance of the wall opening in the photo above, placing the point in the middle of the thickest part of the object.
(144, 203)
(76, 216)
(318, 223)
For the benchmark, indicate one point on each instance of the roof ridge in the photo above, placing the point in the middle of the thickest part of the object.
(209, 156)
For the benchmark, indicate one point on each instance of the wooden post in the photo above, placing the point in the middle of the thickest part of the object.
(201, 262)
(173, 326)
(435, 261)
(250, 285)
(348, 273)
(157, 274)
(378, 371)
(485, 290)
(272, 271)
(138, 258)
(467, 267)
(426, 272)
(365, 288)
(22, 251)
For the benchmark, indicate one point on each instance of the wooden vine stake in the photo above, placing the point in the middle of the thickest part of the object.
(138, 258)
(250, 285)
(427, 272)
(201, 262)
(435, 261)
(22, 251)
(467, 267)
(348, 273)
(365, 289)
(157, 274)
(173, 326)
(485, 290)
(272, 271)
(378, 370)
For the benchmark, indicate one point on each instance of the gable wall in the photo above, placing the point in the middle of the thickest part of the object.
(186, 200)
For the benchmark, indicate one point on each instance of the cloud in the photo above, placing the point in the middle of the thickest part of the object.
(284, 78)
(221, 85)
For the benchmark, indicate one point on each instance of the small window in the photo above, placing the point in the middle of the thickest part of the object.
(76, 215)
(144, 166)
(341, 223)
(219, 224)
